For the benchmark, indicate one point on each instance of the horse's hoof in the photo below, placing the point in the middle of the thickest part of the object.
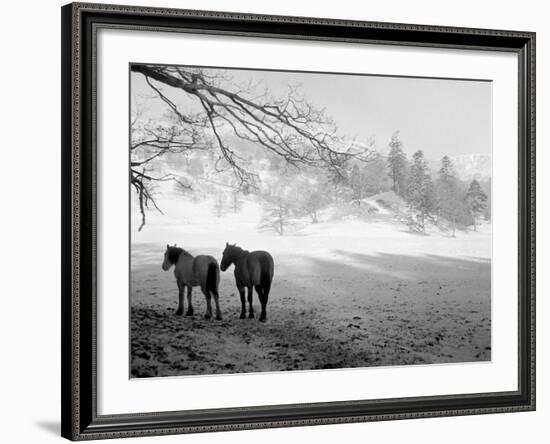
(179, 312)
(243, 315)
(250, 315)
(218, 317)
(263, 319)
(189, 313)
(207, 316)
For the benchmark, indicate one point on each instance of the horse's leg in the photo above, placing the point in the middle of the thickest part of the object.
(250, 308)
(262, 295)
(243, 302)
(181, 287)
(208, 297)
(217, 302)
(189, 311)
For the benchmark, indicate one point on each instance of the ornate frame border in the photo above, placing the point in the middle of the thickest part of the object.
(80, 22)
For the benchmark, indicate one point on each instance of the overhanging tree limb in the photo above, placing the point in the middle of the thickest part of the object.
(287, 127)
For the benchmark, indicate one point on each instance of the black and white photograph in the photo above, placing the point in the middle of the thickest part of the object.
(303, 220)
(270, 222)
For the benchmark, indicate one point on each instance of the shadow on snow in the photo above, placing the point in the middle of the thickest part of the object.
(350, 310)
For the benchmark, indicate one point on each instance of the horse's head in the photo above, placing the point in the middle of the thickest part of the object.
(227, 256)
(171, 256)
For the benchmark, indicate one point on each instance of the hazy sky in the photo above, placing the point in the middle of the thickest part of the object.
(440, 117)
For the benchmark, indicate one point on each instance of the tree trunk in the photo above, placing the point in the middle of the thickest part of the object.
(454, 226)
(281, 222)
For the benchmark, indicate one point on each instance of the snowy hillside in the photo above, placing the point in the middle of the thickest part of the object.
(352, 290)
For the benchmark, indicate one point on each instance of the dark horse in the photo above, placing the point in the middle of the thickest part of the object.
(192, 272)
(251, 270)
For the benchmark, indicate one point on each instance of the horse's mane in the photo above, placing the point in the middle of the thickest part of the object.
(174, 254)
(240, 251)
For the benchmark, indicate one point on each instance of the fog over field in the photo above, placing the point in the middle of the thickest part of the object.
(382, 251)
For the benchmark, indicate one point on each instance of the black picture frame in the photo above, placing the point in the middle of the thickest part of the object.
(78, 333)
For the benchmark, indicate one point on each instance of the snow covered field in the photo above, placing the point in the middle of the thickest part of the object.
(348, 291)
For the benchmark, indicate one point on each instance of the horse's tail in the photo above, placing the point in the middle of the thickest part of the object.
(266, 273)
(212, 277)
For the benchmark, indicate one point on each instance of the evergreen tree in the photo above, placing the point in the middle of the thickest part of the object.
(376, 177)
(420, 192)
(450, 197)
(397, 165)
(477, 200)
(447, 169)
(486, 187)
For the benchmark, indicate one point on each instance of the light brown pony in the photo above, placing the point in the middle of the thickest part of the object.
(251, 270)
(192, 272)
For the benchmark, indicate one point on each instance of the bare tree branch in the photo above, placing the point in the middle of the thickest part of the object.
(288, 127)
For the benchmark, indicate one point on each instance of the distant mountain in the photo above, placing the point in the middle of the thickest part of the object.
(473, 166)
(467, 166)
